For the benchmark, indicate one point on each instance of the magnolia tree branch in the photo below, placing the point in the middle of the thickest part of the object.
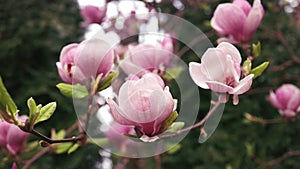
(283, 157)
(199, 124)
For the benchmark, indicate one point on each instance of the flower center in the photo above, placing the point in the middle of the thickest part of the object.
(230, 81)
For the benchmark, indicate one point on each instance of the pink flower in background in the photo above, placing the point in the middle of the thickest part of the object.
(116, 134)
(220, 71)
(92, 14)
(287, 100)
(14, 166)
(143, 103)
(88, 59)
(147, 57)
(12, 138)
(237, 20)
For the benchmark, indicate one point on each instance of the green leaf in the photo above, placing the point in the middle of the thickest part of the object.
(169, 120)
(256, 49)
(74, 91)
(257, 71)
(62, 147)
(6, 102)
(107, 81)
(246, 68)
(46, 112)
(73, 148)
(175, 127)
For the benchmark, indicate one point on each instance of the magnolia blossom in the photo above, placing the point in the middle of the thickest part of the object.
(12, 138)
(287, 100)
(88, 59)
(147, 57)
(92, 14)
(143, 103)
(220, 71)
(237, 20)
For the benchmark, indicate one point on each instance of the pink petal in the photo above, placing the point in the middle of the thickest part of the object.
(214, 63)
(218, 87)
(116, 112)
(235, 99)
(243, 86)
(274, 101)
(233, 25)
(16, 139)
(198, 74)
(243, 4)
(288, 113)
(294, 101)
(65, 76)
(14, 166)
(253, 20)
(231, 50)
(91, 54)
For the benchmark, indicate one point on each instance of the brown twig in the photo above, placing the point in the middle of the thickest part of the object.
(36, 157)
(282, 157)
(211, 111)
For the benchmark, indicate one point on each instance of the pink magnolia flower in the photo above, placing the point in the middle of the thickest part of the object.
(92, 14)
(85, 60)
(287, 100)
(237, 20)
(12, 138)
(143, 103)
(220, 71)
(147, 57)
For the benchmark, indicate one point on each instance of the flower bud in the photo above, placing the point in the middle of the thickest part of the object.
(287, 100)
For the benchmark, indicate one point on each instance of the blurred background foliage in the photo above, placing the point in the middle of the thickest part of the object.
(32, 33)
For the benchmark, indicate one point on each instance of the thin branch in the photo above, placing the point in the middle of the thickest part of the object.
(283, 157)
(211, 111)
(36, 157)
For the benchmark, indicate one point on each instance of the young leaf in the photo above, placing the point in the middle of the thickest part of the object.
(175, 127)
(73, 148)
(74, 91)
(107, 81)
(169, 120)
(256, 49)
(257, 71)
(246, 68)
(62, 147)
(6, 102)
(46, 112)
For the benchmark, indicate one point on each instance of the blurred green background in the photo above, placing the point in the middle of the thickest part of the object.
(32, 33)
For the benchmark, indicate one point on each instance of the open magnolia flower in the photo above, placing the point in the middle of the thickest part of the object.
(12, 138)
(220, 71)
(287, 100)
(88, 59)
(147, 57)
(237, 20)
(144, 103)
